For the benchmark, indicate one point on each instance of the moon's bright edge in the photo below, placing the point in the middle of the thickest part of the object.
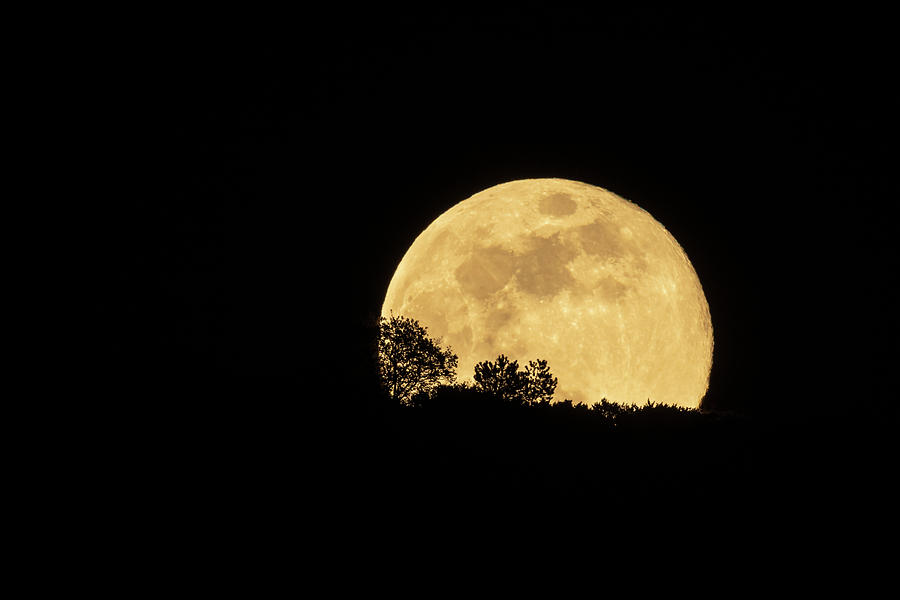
(568, 272)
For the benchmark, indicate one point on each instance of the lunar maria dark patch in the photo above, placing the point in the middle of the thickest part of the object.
(601, 239)
(486, 271)
(557, 205)
(542, 269)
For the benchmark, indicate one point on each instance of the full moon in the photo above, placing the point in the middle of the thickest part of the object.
(567, 272)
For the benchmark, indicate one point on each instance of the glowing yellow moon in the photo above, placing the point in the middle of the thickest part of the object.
(568, 272)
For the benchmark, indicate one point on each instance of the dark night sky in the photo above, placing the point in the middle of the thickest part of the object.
(291, 169)
(267, 179)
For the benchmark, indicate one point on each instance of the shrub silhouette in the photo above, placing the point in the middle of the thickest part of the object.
(409, 361)
(457, 398)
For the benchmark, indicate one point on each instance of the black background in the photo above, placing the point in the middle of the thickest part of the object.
(290, 167)
(271, 175)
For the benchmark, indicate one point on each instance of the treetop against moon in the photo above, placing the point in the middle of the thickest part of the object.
(567, 272)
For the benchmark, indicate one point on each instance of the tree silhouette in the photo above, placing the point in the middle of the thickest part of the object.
(409, 361)
(500, 378)
(503, 379)
(539, 383)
